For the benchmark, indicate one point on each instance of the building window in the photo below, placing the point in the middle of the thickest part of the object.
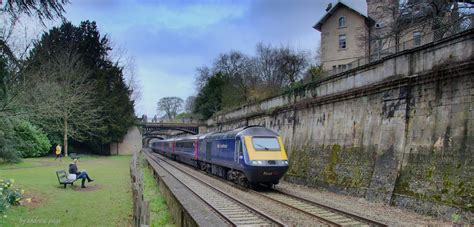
(342, 22)
(342, 41)
(416, 39)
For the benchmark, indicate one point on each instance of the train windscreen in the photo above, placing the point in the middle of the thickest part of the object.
(265, 144)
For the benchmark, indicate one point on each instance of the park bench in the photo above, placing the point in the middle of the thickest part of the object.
(63, 179)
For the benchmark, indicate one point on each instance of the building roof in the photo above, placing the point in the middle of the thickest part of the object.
(328, 14)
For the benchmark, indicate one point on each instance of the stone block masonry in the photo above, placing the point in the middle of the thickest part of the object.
(131, 143)
(398, 131)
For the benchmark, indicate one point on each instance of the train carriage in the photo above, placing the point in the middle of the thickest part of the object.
(186, 150)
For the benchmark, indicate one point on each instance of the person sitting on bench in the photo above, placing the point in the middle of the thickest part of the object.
(79, 174)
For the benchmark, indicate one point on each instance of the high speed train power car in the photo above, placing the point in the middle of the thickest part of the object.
(247, 156)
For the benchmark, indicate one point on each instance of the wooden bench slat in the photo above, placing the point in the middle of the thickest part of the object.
(62, 178)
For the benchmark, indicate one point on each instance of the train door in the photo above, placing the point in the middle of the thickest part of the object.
(201, 150)
(196, 149)
(238, 150)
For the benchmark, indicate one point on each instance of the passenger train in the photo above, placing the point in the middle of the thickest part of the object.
(247, 156)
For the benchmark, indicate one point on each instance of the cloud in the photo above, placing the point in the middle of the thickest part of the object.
(170, 39)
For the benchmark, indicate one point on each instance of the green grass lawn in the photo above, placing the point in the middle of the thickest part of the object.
(159, 215)
(106, 202)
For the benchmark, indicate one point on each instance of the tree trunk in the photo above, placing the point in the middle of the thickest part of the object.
(397, 43)
(65, 137)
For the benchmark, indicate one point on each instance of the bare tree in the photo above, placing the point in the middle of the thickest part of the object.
(279, 67)
(315, 70)
(237, 68)
(189, 106)
(450, 17)
(132, 79)
(233, 64)
(62, 97)
(292, 63)
(170, 106)
(203, 74)
(266, 67)
(402, 18)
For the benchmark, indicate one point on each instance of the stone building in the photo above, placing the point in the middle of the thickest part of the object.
(344, 33)
(350, 38)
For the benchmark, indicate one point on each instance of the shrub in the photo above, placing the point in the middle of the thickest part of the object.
(9, 196)
(8, 141)
(35, 142)
(4, 205)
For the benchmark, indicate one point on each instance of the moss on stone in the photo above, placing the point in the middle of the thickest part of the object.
(429, 172)
(299, 162)
(329, 175)
(437, 177)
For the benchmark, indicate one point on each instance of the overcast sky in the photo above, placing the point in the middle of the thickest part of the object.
(170, 39)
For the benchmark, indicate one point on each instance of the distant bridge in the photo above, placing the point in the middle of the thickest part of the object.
(150, 128)
(164, 130)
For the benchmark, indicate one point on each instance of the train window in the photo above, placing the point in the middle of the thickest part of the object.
(188, 145)
(265, 144)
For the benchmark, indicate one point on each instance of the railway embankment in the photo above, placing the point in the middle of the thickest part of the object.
(185, 208)
(398, 131)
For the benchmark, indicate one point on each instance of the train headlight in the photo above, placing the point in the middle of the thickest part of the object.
(257, 162)
(285, 162)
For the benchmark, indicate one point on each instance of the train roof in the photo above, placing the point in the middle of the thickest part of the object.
(249, 130)
(193, 137)
(231, 134)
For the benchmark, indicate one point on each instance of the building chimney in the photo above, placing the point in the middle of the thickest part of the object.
(329, 7)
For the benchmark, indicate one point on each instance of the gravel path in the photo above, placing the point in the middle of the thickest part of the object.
(386, 214)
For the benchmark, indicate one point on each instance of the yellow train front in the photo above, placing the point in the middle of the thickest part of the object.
(247, 156)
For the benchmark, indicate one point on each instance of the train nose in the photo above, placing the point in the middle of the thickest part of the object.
(265, 174)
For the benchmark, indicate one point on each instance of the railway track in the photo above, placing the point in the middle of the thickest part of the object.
(329, 215)
(231, 209)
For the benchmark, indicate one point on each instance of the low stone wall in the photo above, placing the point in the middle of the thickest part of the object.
(399, 131)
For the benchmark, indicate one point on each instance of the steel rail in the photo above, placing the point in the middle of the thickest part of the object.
(344, 215)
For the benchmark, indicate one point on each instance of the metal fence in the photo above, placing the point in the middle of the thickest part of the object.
(446, 31)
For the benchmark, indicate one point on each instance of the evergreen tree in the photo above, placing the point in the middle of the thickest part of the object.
(209, 99)
(112, 93)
